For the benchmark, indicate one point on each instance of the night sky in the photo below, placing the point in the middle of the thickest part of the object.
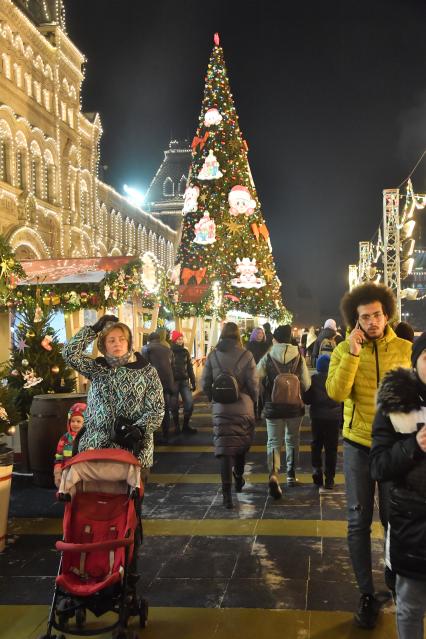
(331, 97)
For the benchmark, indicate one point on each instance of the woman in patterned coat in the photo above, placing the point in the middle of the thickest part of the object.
(125, 393)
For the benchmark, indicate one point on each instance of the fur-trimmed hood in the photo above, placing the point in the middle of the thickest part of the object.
(399, 398)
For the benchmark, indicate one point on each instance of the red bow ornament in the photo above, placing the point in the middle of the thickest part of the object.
(187, 273)
(199, 141)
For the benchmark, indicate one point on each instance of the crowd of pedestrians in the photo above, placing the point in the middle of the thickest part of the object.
(366, 380)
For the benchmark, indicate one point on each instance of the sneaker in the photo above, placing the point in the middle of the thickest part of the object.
(317, 478)
(368, 611)
(291, 482)
(329, 484)
(274, 488)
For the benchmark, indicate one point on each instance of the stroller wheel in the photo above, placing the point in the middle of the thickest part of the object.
(62, 618)
(80, 617)
(143, 613)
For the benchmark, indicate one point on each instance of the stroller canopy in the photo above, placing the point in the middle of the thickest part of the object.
(108, 470)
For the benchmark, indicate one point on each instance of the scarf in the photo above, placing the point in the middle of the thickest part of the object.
(120, 361)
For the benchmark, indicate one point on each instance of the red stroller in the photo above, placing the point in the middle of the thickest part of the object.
(101, 534)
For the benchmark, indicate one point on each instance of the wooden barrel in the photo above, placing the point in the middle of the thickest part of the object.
(47, 423)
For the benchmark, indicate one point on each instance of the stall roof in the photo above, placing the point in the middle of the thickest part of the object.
(71, 271)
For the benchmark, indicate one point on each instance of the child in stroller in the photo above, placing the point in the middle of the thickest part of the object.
(101, 535)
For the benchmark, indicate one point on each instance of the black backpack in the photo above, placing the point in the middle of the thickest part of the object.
(225, 388)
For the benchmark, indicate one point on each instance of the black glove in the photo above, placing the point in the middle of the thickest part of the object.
(102, 321)
(129, 436)
(193, 387)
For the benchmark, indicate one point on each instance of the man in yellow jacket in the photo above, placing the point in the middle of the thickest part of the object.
(356, 368)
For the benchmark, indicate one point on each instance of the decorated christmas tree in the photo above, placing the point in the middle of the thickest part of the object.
(36, 364)
(225, 257)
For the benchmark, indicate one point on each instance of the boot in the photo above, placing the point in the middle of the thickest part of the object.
(239, 482)
(274, 488)
(175, 417)
(317, 477)
(227, 496)
(186, 428)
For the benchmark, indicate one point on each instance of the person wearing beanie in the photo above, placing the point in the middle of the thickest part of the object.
(160, 356)
(125, 399)
(64, 449)
(357, 366)
(326, 420)
(183, 373)
(327, 340)
(282, 423)
(398, 456)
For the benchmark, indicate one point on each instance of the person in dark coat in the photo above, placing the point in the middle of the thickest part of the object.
(124, 391)
(233, 424)
(183, 373)
(405, 331)
(160, 356)
(326, 420)
(268, 334)
(257, 344)
(258, 347)
(398, 454)
(329, 332)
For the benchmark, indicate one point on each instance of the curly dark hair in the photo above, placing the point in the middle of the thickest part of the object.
(366, 294)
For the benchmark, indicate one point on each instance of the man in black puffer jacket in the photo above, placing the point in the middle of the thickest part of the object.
(183, 373)
(398, 454)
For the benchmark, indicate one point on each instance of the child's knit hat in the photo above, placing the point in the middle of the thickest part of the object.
(174, 335)
(76, 410)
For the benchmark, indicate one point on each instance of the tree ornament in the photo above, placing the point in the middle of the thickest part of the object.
(55, 369)
(31, 378)
(187, 273)
(14, 372)
(268, 273)
(174, 274)
(45, 342)
(25, 362)
(38, 315)
(205, 230)
(30, 333)
(212, 117)
(199, 141)
(107, 291)
(247, 269)
(233, 227)
(190, 197)
(216, 39)
(3, 415)
(22, 345)
(240, 201)
(210, 170)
